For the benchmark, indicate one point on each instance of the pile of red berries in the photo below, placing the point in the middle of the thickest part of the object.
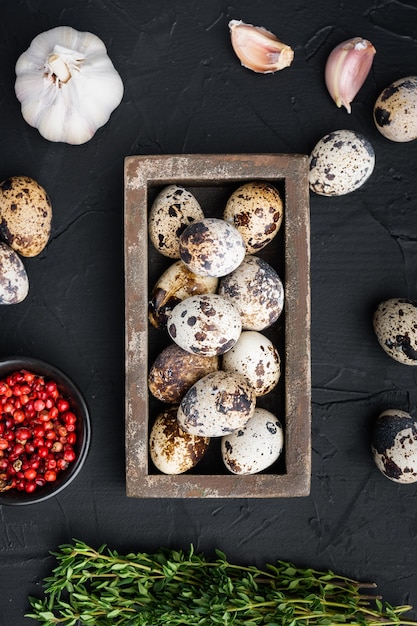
(37, 432)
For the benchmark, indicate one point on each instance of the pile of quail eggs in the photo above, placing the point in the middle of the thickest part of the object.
(214, 301)
(25, 226)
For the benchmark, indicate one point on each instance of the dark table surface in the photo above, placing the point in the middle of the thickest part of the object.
(185, 92)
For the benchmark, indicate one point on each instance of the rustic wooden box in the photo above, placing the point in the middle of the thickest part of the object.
(212, 178)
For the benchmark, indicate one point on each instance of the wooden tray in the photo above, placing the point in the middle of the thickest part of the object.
(212, 179)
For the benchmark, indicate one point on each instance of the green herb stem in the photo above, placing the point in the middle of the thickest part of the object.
(102, 588)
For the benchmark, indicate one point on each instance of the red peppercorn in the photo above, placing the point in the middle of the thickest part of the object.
(30, 474)
(50, 475)
(62, 405)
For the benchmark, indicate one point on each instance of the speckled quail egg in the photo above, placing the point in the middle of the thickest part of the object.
(14, 282)
(212, 247)
(256, 290)
(175, 370)
(205, 324)
(256, 210)
(395, 110)
(217, 405)
(173, 286)
(173, 209)
(256, 446)
(172, 450)
(256, 357)
(395, 325)
(340, 163)
(25, 215)
(394, 445)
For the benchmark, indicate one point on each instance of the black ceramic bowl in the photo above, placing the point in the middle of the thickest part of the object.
(70, 391)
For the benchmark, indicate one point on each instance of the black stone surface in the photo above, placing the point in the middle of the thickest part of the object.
(185, 92)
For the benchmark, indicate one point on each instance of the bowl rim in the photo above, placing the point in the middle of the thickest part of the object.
(44, 368)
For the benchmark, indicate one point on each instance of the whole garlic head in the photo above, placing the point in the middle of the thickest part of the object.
(67, 85)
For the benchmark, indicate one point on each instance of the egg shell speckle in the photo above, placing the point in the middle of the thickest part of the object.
(256, 210)
(340, 163)
(256, 290)
(172, 450)
(217, 404)
(394, 445)
(212, 247)
(173, 209)
(256, 446)
(14, 282)
(205, 324)
(395, 325)
(173, 286)
(395, 110)
(175, 370)
(256, 357)
(25, 215)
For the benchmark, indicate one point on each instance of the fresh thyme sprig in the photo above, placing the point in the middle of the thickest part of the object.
(100, 587)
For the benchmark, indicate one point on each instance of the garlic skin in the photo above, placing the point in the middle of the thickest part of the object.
(258, 49)
(67, 85)
(347, 68)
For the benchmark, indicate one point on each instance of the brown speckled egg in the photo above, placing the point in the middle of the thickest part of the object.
(205, 324)
(395, 325)
(256, 291)
(173, 209)
(172, 450)
(395, 110)
(217, 405)
(212, 247)
(256, 357)
(340, 163)
(256, 210)
(25, 215)
(394, 445)
(256, 446)
(14, 283)
(173, 286)
(175, 370)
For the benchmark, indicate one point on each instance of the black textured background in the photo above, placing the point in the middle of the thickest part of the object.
(185, 92)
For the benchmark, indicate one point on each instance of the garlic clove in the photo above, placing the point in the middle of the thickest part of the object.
(258, 49)
(347, 68)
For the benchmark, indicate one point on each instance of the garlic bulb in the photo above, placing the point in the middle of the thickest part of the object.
(67, 85)
(347, 68)
(258, 49)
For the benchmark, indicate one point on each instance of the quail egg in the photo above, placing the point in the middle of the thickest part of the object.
(205, 324)
(254, 447)
(172, 450)
(174, 371)
(256, 290)
(173, 286)
(14, 282)
(395, 325)
(173, 209)
(256, 210)
(395, 110)
(25, 215)
(394, 445)
(217, 404)
(340, 163)
(256, 357)
(212, 247)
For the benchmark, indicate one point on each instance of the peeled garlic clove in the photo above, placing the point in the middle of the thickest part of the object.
(346, 69)
(258, 49)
